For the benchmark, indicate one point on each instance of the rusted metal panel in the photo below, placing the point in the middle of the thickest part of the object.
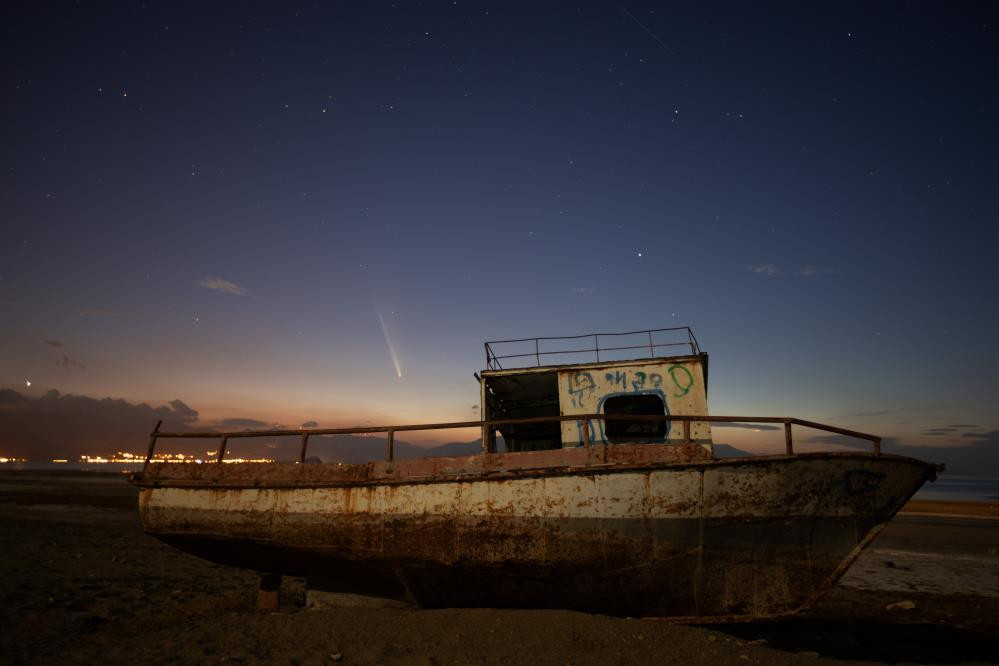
(700, 538)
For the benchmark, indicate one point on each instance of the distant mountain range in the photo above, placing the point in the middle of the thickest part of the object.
(727, 451)
(352, 449)
(55, 425)
(977, 454)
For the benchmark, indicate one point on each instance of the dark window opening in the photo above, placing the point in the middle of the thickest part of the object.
(623, 431)
(524, 396)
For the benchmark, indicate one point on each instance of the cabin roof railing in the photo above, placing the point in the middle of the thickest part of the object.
(630, 345)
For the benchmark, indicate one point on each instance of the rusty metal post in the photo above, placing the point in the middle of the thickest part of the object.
(152, 441)
(537, 352)
(877, 445)
(222, 445)
(301, 451)
(269, 593)
(390, 441)
(596, 345)
(652, 353)
(787, 437)
(686, 431)
(586, 432)
(486, 430)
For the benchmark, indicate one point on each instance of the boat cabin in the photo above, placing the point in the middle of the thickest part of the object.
(604, 380)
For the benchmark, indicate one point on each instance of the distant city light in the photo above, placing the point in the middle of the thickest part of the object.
(126, 458)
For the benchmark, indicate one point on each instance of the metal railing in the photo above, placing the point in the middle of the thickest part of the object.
(688, 340)
(488, 429)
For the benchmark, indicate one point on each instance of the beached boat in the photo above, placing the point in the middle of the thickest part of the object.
(601, 493)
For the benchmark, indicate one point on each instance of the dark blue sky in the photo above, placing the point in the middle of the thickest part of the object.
(218, 203)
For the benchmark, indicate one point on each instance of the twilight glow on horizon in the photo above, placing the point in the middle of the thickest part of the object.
(318, 213)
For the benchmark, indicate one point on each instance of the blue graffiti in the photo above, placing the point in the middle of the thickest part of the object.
(600, 410)
(581, 387)
(621, 378)
(617, 377)
(592, 433)
(639, 382)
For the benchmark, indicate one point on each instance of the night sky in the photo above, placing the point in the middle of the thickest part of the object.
(319, 212)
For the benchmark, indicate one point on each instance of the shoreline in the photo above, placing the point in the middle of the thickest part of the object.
(972, 509)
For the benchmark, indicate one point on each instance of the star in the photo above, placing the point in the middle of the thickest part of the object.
(639, 254)
(27, 382)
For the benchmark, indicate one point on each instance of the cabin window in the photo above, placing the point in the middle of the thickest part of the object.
(623, 431)
(523, 396)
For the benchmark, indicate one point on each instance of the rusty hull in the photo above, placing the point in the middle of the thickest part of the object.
(624, 529)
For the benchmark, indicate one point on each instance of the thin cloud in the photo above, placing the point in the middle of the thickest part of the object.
(770, 270)
(745, 426)
(67, 362)
(773, 270)
(244, 423)
(224, 286)
(950, 429)
(182, 411)
(852, 442)
(98, 312)
(886, 412)
(310, 424)
(808, 271)
(52, 343)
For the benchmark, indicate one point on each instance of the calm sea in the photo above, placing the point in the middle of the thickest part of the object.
(961, 489)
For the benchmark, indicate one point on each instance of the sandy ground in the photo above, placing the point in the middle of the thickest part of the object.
(82, 583)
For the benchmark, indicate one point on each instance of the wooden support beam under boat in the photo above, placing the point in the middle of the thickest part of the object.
(269, 593)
